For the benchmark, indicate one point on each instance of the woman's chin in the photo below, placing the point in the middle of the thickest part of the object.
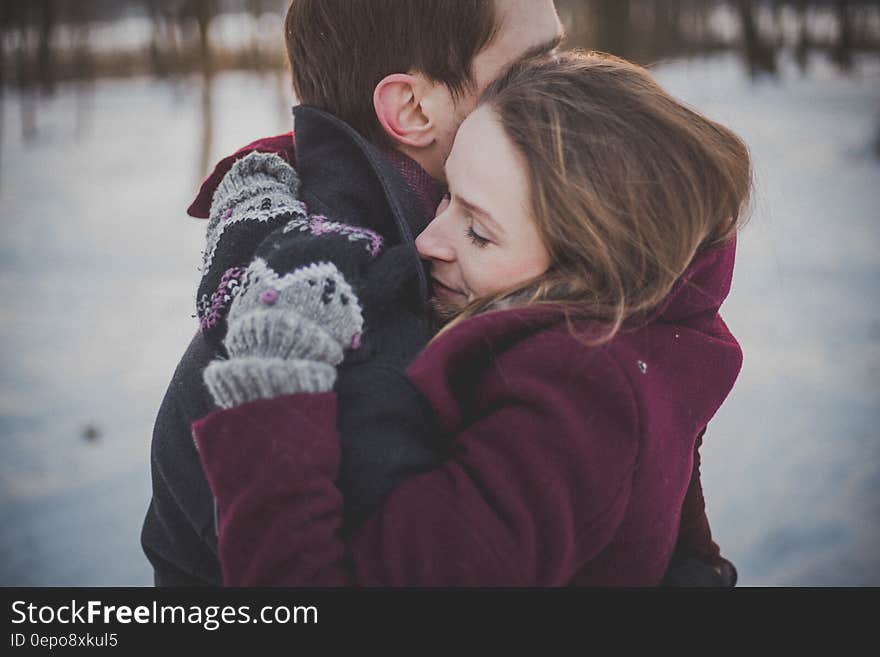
(446, 308)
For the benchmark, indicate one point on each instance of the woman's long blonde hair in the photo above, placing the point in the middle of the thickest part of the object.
(627, 184)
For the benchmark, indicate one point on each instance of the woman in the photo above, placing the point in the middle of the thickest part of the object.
(582, 254)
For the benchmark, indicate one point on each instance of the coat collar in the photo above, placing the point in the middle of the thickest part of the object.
(703, 287)
(346, 177)
(350, 180)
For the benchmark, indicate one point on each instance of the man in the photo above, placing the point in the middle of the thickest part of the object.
(394, 79)
(402, 74)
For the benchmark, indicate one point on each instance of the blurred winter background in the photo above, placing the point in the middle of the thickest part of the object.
(112, 111)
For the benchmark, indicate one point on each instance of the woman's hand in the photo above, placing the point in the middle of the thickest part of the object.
(294, 311)
(256, 196)
(286, 334)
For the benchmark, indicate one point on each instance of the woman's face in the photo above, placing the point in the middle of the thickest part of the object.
(483, 239)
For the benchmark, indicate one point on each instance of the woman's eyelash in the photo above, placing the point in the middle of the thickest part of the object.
(476, 240)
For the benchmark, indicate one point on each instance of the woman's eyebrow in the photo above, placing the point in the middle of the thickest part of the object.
(473, 208)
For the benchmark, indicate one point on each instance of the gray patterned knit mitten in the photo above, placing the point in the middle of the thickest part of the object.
(286, 334)
(258, 187)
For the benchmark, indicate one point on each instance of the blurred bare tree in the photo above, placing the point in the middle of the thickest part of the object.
(613, 26)
(203, 11)
(760, 53)
(651, 30)
(47, 42)
(842, 52)
(36, 34)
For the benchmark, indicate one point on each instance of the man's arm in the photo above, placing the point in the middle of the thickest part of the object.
(178, 535)
(179, 531)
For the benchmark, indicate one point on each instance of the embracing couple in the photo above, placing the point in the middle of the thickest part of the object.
(461, 327)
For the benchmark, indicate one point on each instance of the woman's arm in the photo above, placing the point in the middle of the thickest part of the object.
(531, 493)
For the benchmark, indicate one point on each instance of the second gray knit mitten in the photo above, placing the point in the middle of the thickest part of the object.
(286, 334)
(257, 188)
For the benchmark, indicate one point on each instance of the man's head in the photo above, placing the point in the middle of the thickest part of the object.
(406, 73)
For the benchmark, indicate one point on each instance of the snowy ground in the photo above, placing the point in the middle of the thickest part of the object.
(98, 266)
(792, 460)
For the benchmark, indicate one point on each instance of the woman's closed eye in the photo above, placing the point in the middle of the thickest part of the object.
(477, 239)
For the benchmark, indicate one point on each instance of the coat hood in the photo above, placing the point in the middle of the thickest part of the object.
(695, 297)
(702, 288)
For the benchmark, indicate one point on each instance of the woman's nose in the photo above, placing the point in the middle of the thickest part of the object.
(432, 243)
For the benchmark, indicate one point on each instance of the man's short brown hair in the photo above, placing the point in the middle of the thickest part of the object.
(339, 50)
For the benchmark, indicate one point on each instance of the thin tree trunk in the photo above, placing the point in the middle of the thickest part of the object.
(802, 49)
(667, 26)
(4, 21)
(204, 11)
(24, 76)
(760, 57)
(45, 62)
(843, 50)
(613, 26)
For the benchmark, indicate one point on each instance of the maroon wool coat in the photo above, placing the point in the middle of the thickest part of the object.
(567, 464)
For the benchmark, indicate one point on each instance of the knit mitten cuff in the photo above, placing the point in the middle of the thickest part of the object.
(255, 171)
(241, 380)
(281, 333)
(260, 187)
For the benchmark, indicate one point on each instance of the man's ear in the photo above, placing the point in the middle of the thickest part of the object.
(397, 102)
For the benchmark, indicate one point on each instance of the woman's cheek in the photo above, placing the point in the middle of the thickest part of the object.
(485, 276)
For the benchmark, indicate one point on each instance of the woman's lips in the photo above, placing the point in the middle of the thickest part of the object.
(442, 290)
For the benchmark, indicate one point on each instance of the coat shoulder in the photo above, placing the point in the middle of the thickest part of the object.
(558, 368)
